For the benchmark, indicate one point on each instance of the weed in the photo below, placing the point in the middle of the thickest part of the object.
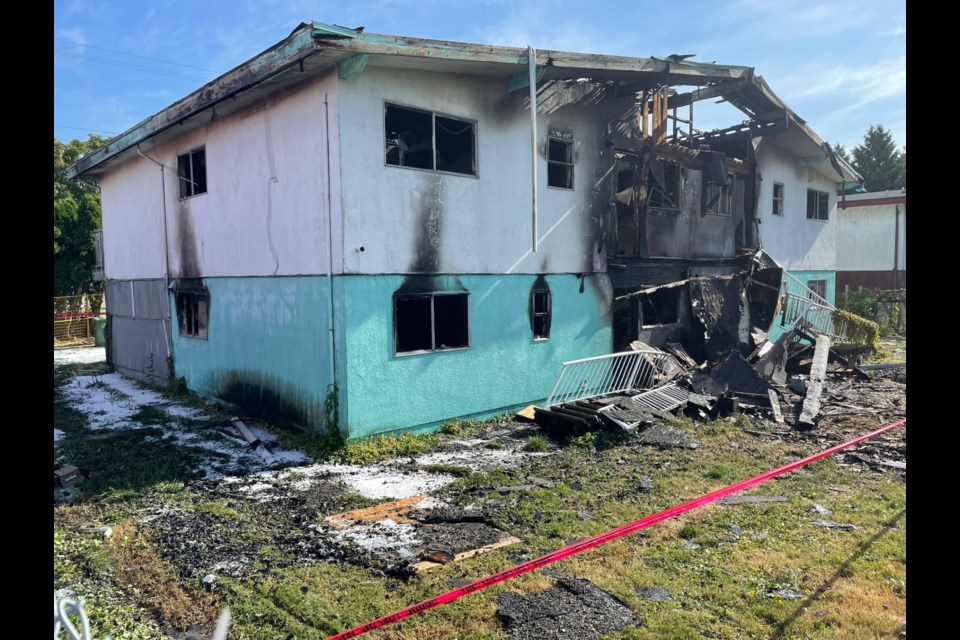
(450, 469)
(493, 444)
(689, 531)
(719, 473)
(536, 443)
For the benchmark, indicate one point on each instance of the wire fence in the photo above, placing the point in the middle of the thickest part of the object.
(74, 316)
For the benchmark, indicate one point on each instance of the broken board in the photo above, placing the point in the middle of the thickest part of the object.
(818, 375)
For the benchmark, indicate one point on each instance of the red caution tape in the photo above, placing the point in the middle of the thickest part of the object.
(600, 539)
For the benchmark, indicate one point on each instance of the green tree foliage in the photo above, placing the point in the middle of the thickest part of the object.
(877, 159)
(76, 216)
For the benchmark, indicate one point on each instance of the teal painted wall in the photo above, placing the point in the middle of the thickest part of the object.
(830, 276)
(267, 346)
(503, 367)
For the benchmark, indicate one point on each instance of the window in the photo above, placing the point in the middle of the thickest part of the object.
(192, 173)
(430, 322)
(540, 311)
(718, 199)
(819, 287)
(425, 140)
(560, 163)
(661, 306)
(664, 184)
(777, 199)
(818, 205)
(192, 309)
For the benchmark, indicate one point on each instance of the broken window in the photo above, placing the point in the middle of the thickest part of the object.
(661, 306)
(718, 199)
(425, 140)
(818, 205)
(540, 312)
(664, 184)
(777, 199)
(560, 163)
(431, 322)
(192, 308)
(192, 173)
(819, 287)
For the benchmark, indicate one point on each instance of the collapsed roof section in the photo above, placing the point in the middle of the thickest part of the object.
(315, 47)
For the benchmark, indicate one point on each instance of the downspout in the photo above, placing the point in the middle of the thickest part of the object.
(896, 247)
(532, 68)
(330, 315)
(166, 253)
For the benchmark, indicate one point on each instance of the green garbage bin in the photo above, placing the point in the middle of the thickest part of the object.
(100, 332)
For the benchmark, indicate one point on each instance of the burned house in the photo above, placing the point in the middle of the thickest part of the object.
(380, 231)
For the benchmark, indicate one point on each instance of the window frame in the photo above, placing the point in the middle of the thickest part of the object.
(189, 300)
(652, 186)
(433, 323)
(823, 216)
(640, 300)
(534, 314)
(781, 200)
(726, 197)
(569, 141)
(814, 284)
(433, 140)
(181, 181)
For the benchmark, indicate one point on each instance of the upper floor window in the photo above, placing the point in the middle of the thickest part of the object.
(426, 140)
(777, 199)
(718, 199)
(560, 163)
(192, 173)
(665, 184)
(818, 205)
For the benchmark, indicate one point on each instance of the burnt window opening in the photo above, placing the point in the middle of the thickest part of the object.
(192, 310)
(560, 163)
(664, 184)
(431, 322)
(660, 307)
(718, 199)
(818, 205)
(425, 140)
(777, 199)
(540, 313)
(818, 287)
(192, 173)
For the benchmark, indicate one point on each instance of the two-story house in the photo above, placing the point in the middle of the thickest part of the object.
(415, 230)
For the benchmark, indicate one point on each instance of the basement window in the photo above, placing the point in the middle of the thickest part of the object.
(540, 313)
(818, 287)
(718, 199)
(818, 205)
(192, 173)
(660, 307)
(664, 185)
(560, 163)
(425, 140)
(192, 309)
(431, 322)
(777, 199)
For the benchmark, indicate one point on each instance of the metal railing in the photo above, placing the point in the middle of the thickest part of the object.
(799, 303)
(612, 373)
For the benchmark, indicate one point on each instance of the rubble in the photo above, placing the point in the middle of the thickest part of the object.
(573, 608)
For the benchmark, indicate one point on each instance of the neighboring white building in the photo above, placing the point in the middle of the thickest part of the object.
(374, 230)
(872, 241)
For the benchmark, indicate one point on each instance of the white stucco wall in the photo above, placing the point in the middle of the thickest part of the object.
(795, 241)
(265, 210)
(132, 209)
(413, 221)
(866, 236)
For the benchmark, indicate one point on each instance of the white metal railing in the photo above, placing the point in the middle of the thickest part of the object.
(800, 301)
(612, 373)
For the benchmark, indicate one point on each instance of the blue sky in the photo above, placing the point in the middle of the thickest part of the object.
(842, 67)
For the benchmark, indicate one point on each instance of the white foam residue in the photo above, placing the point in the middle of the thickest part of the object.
(80, 355)
(57, 434)
(383, 535)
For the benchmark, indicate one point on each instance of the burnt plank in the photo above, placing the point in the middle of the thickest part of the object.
(818, 374)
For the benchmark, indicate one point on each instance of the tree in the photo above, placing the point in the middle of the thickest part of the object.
(76, 216)
(841, 151)
(878, 161)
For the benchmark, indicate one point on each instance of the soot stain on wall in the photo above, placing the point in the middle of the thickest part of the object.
(269, 398)
(187, 243)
